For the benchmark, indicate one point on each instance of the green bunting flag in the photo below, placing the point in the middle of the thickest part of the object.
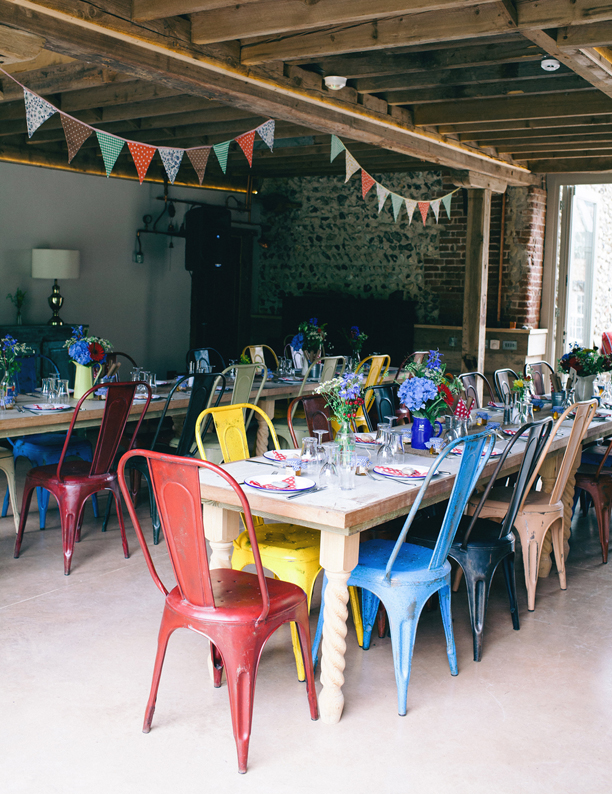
(396, 203)
(111, 149)
(446, 200)
(336, 147)
(382, 194)
(222, 150)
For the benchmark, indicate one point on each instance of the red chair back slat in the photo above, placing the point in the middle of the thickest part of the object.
(606, 343)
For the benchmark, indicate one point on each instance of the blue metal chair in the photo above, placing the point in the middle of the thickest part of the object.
(404, 576)
(45, 448)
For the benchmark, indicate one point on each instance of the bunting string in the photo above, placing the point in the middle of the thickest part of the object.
(38, 110)
(383, 193)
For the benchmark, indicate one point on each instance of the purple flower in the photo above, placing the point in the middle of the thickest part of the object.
(297, 343)
(435, 360)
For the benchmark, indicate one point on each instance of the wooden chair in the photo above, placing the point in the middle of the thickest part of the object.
(538, 370)
(236, 611)
(470, 382)
(504, 378)
(7, 465)
(257, 354)
(417, 357)
(379, 366)
(111, 365)
(598, 484)
(73, 482)
(540, 512)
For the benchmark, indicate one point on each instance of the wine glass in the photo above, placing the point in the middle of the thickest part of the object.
(328, 475)
(385, 455)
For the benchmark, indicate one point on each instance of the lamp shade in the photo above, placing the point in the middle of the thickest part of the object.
(51, 263)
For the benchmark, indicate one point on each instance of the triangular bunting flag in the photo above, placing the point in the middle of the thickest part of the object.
(266, 133)
(382, 194)
(142, 155)
(410, 208)
(76, 134)
(222, 150)
(38, 110)
(171, 158)
(246, 142)
(435, 208)
(446, 200)
(396, 203)
(351, 166)
(111, 149)
(199, 160)
(423, 209)
(336, 147)
(366, 182)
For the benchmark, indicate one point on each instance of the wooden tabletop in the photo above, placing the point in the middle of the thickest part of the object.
(372, 502)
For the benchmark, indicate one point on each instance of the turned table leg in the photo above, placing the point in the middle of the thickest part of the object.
(221, 528)
(261, 444)
(339, 555)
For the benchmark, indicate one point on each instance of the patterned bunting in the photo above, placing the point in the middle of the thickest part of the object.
(351, 166)
(446, 200)
(435, 208)
(266, 133)
(410, 208)
(76, 134)
(382, 194)
(396, 203)
(199, 160)
(111, 149)
(171, 158)
(423, 209)
(246, 142)
(142, 155)
(38, 110)
(222, 150)
(336, 147)
(366, 182)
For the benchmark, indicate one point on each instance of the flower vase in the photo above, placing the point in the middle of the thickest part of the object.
(83, 381)
(8, 391)
(345, 438)
(583, 389)
(19, 317)
(422, 432)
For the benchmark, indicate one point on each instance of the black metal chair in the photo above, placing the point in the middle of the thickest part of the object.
(201, 392)
(208, 355)
(537, 370)
(470, 385)
(385, 404)
(482, 543)
(504, 378)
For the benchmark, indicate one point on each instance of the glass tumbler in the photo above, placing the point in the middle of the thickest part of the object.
(347, 463)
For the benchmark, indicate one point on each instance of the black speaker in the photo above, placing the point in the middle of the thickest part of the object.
(207, 238)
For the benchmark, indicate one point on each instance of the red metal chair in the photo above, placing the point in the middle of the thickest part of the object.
(237, 611)
(73, 482)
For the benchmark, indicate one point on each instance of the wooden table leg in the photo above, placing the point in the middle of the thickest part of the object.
(261, 444)
(339, 555)
(221, 527)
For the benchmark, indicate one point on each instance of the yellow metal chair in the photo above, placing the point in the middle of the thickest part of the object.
(379, 366)
(257, 354)
(291, 552)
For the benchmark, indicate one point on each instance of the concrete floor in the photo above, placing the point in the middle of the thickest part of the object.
(77, 655)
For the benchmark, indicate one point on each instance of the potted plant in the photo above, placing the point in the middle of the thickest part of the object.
(86, 352)
(10, 352)
(427, 392)
(18, 299)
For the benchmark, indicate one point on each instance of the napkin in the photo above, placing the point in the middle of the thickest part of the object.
(289, 484)
(461, 411)
(400, 473)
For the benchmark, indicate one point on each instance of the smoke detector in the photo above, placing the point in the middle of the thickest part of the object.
(334, 82)
(549, 64)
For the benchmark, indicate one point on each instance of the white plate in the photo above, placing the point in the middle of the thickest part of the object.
(260, 483)
(278, 456)
(402, 472)
(51, 408)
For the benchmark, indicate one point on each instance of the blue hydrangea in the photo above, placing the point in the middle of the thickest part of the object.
(354, 331)
(79, 352)
(314, 321)
(435, 360)
(415, 392)
(297, 343)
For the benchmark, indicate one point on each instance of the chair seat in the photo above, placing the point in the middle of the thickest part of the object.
(283, 541)
(411, 565)
(499, 499)
(74, 472)
(485, 533)
(238, 598)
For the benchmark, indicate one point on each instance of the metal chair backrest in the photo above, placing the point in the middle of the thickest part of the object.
(475, 455)
(536, 440)
(176, 487)
(202, 395)
(502, 381)
(27, 377)
(231, 430)
(470, 382)
(111, 358)
(318, 416)
(606, 343)
(244, 378)
(584, 414)
(119, 399)
(379, 366)
(330, 366)
(204, 354)
(384, 402)
(537, 370)
(257, 354)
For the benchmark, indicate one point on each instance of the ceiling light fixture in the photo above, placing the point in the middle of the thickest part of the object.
(334, 82)
(550, 64)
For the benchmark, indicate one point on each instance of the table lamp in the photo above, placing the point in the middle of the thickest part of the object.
(55, 263)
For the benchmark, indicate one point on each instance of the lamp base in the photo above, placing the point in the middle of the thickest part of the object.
(55, 302)
(56, 320)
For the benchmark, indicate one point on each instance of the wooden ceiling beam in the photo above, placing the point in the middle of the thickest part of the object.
(566, 154)
(565, 145)
(188, 70)
(143, 10)
(580, 36)
(516, 126)
(595, 165)
(493, 138)
(269, 16)
(18, 45)
(72, 76)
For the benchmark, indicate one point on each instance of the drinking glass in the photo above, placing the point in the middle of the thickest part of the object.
(63, 395)
(145, 376)
(381, 428)
(52, 391)
(385, 455)
(152, 381)
(319, 434)
(46, 386)
(328, 475)
(135, 374)
(347, 463)
(309, 456)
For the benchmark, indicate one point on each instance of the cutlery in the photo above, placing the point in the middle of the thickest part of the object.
(310, 490)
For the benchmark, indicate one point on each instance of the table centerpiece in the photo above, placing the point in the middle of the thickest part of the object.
(309, 340)
(86, 352)
(356, 340)
(587, 363)
(344, 397)
(427, 392)
(10, 353)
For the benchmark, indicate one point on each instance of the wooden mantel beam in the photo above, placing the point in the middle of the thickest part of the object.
(181, 67)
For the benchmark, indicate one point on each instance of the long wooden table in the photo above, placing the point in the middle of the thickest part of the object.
(341, 516)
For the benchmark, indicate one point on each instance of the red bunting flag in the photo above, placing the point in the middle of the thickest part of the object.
(76, 134)
(246, 142)
(366, 183)
(423, 209)
(142, 155)
(199, 160)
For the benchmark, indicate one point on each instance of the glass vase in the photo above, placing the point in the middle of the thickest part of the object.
(8, 391)
(345, 438)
